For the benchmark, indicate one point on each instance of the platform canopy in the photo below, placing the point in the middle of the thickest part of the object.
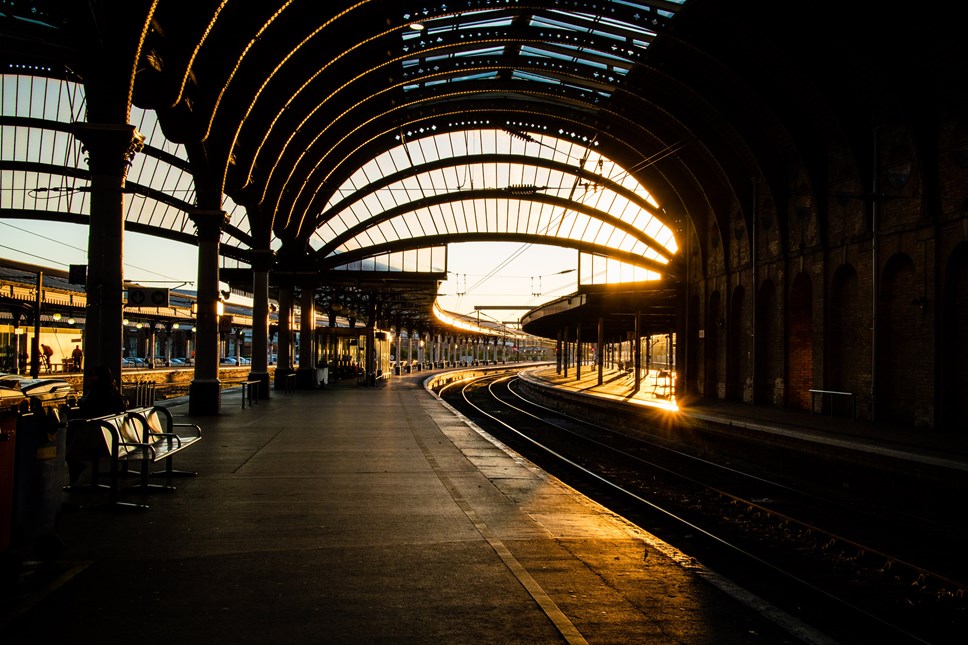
(617, 310)
(355, 131)
(342, 133)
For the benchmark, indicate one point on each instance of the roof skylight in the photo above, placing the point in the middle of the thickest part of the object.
(608, 43)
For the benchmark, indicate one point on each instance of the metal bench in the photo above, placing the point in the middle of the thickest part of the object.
(250, 390)
(167, 437)
(663, 381)
(144, 435)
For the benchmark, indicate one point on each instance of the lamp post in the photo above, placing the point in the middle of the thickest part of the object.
(35, 342)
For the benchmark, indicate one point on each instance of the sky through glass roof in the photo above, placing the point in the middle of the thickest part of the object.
(493, 182)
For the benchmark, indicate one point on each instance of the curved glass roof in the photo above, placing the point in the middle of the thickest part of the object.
(44, 169)
(469, 181)
(489, 182)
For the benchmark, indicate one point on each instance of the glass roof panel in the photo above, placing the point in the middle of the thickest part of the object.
(479, 76)
(507, 209)
(484, 19)
(622, 25)
(238, 216)
(43, 192)
(163, 189)
(574, 53)
(495, 216)
(551, 80)
(426, 260)
(480, 52)
(39, 97)
(598, 269)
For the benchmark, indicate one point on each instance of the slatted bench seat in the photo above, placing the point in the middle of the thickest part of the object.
(143, 435)
(167, 437)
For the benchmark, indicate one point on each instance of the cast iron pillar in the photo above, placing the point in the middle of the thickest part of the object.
(284, 357)
(205, 393)
(566, 350)
(559, 353)
(306, 374)
(578, 355)
(261, 261)
(638, 350)
(600, 351)
(110, 148)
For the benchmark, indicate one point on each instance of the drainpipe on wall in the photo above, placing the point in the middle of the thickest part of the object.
(874, 280)
(35, 341)
(756, 288)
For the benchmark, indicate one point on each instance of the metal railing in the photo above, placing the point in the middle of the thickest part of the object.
(139, 393)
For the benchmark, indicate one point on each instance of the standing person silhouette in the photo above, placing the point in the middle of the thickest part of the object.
(47, 352)
(77, 355)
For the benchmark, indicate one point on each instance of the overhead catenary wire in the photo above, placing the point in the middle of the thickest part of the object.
(651, 159)
(69, 246)
(560, 220)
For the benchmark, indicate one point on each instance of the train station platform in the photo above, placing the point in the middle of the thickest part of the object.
(368, 515)
(947, 450)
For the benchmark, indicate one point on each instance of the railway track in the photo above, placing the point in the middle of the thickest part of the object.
(850, 569)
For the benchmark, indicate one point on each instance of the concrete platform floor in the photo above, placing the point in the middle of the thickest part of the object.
(368, 515)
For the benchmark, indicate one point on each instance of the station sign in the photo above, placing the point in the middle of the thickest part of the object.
(147, 297)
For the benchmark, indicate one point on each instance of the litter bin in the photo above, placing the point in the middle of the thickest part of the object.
(40, 473)
(10, 401)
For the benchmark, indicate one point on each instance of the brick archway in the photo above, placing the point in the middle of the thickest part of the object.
(954, 343)
(769, 346)
(737, 347)
(846, 359)
(714, 330)
(901, 370)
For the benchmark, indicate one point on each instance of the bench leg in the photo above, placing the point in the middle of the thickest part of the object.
(94, 484)
(115, 503)
(169, 471)
(147, 487)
